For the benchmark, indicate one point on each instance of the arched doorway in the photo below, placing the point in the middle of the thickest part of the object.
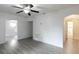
(71, 33)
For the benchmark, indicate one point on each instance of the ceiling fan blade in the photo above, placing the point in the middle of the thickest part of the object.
(17, 7)
(29, 14)
(26, 5)
(19, 11)
(35, 11)
(31, 5)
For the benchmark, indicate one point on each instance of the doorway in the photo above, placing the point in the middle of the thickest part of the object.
(11, 32)
(71, 34)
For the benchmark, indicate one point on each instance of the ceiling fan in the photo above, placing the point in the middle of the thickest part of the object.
(27, 8)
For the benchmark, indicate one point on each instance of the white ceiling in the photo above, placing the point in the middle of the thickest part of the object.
(40, 7)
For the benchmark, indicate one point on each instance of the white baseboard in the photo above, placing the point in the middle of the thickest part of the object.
(49, 43)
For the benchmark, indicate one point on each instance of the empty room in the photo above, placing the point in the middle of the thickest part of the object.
(39, 28)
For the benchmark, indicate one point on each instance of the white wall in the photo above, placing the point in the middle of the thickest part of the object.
(48, 28)
(7, 16)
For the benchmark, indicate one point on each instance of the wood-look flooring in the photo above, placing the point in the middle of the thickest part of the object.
(29, 46)
(71, 46)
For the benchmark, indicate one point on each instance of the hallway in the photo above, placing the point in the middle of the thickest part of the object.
(71, 34)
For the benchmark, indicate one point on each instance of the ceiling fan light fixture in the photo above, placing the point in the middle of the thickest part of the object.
(26, 11)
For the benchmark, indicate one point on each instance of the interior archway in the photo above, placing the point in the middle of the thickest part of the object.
(71, 33)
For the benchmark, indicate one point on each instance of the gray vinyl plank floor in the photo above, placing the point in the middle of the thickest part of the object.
(29, 46)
